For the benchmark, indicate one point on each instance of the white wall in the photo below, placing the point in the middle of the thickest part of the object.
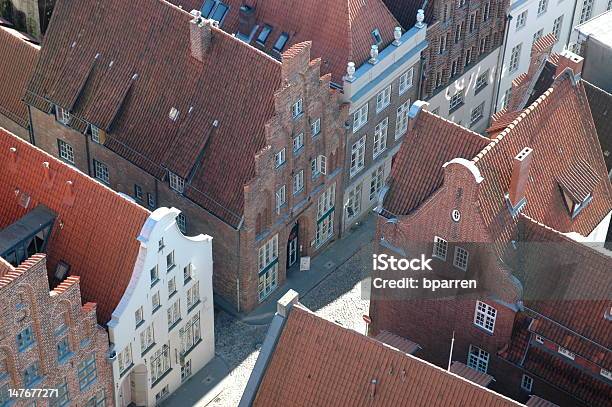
(123, 332)
(597, 235)
(524, 35)
(598, 7)
(440, 102)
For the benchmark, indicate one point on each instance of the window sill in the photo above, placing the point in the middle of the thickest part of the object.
(454, 109)
(160, 378)
(353, 173)
(187, 280)
(65, 358)
(483, 330)
(356, 129)
(102, 181)
(154, 283)
(86, 386)
(198, 302)
(26, 347)
(382, 108)
(475, 121)
(172, 294)
(170, 268)
(156, 309)
(298, 191)
(296, 117)
(188, 351)
(144, 352)
(477, 91)
(171, 327)
(298, 151)
(126, 370)
(139, 324)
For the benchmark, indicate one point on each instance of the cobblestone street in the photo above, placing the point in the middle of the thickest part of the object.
(337, 298)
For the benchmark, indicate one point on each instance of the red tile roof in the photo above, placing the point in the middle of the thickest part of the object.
(417, 172)
(124, 65)
(95, 230)
(340, 30)
(16, 66)
(396, 341)
(535, 401)
(560, 130)
(406, 11)
(319, 363)
(461, 369)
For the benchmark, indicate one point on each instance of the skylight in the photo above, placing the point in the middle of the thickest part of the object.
(214, 9)
(281, 42)
(264, 34)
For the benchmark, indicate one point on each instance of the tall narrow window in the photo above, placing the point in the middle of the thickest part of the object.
(380, 137)
(101, 172)
(484, 316)
(66, 152)
(543, 5)
(401, 123)
(478, 359)
(515, 57)
(281, 198)
(377, 181)
(62, 115)
(177, 183)
(358, 156)
(440, 248)
(405, 81)
(383, 99)
(297, 109)
(360, 117)
(557, 24)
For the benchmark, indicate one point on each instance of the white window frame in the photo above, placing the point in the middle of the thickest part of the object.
(267, 253)
(586, 11)
(280, 157)
(537, 35)
(401, 121)
(181, 222)
(478, 359)
(66, 152)
(455, 101)
(539, 339)
(315, 127)
(482, 81)
(383, 99)
(380, 137)
(297, 109)
(486, 11)
(360, 117)
(281, 198)
(101, 172)
(147, 338)
(358, 156)
(298, 182)
(95, 133)
(326, 201)
(124, 358)
(476, 114)
(176, 183)
(298, 142)
(542, 7)
(440, 248)
(193, 295)
(484, 316)
(515, 57)
(267, 282)
(155, 301)
(62, 115)
(527, 383)
(174, 313)
(354, 201)
(557, 25)
(160, 364)
(377, 181)
(567, 353)
(405, 81)
(461, 258)
(606, 373)
(521, 20)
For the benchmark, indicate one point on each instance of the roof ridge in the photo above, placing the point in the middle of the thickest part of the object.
(458, 126)
(512, 125)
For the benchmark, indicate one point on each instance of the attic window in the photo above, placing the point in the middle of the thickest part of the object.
(177, 183)
(377, 37)
(281, 42)
(214, 9)
(62, 115)
(173, 114)
(264, 34)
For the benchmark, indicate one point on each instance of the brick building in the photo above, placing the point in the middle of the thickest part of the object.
(460, 73)
(48, 340)
(508, 213)
(245, 145)
(378, 89)
(338, 366)
(19, 57)
(30, 16)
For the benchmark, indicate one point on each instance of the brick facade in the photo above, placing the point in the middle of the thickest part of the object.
(447, 17)
(235, 250)
(25, 301)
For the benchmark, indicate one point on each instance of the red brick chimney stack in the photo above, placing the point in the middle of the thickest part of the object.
(200, 35)
(568, 59)
(520, 176)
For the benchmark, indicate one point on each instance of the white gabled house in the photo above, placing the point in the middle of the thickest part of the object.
(162, 331)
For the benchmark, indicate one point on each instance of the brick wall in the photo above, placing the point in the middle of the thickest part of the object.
(14, 128)
(25, 301)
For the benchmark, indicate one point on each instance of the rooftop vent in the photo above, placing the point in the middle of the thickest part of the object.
(173, 115)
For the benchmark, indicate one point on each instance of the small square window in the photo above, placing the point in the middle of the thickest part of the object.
(461, 258)
(66, 152)
(138, 194)
(177, 183)
(101, 172)
(440, 248)
(298, 181)
(526, 383)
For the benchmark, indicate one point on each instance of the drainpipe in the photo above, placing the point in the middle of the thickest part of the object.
(87, 154)
(238, 229)
(500, 66)
(31, 126)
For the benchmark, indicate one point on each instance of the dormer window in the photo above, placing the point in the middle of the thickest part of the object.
(177, 183)
(173, 114)
(62, 115)
(95, 134)
(281, 42)
(377, 37)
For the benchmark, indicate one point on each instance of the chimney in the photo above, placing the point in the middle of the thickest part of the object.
(520, 176)
(246, 20)
(200, 35)
(373, 388)
(568, 59)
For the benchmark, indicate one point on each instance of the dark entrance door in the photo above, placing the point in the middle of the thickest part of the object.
(292, 246)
